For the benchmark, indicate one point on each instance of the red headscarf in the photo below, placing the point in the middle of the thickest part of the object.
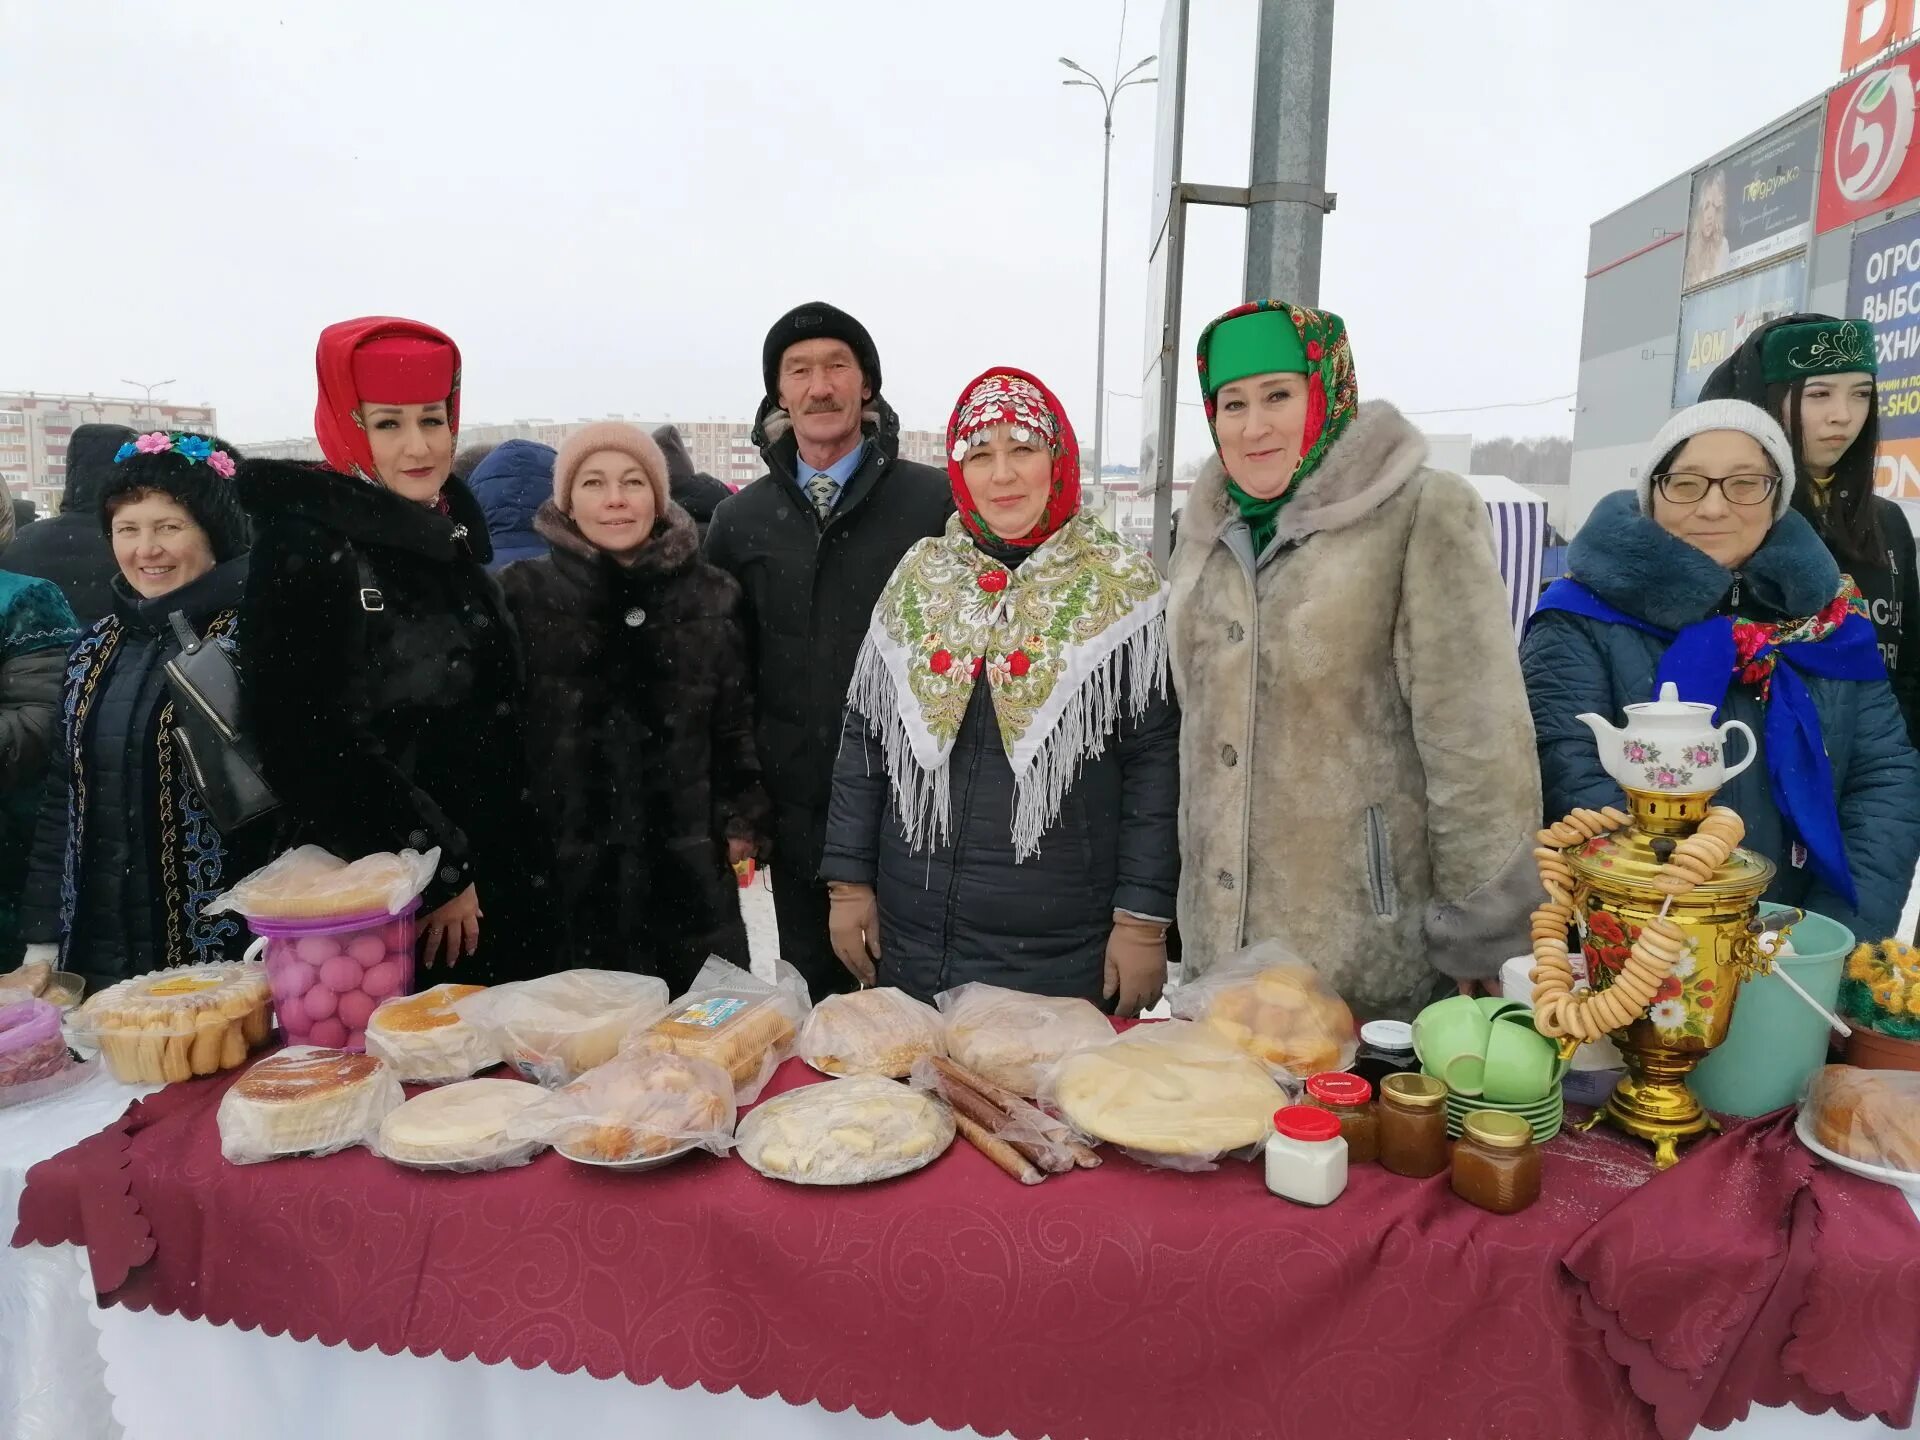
(1006, 396)
(379, 360)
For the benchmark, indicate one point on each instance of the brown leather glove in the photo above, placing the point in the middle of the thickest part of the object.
(1136, 963)
(853, 924)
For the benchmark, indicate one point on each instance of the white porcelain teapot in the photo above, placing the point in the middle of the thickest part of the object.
(1668, 745)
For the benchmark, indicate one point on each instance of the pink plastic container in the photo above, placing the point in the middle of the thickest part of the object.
(328, 974)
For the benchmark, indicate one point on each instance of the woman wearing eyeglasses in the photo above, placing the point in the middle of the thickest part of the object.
(1708, 577)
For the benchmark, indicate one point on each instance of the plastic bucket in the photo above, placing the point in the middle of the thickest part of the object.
(328, 972)
(1777, 1041)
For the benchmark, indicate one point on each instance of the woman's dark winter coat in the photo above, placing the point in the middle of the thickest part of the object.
(36, 630)
(385, 692)
(511, 485)
(963, 910)
(1576, 665)
(640, 731)
(125, 853)
(70, 548)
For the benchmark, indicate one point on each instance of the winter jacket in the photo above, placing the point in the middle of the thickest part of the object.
(810, 591)
(694, 491)
(1576, 665)
(1892, 589)
(640, 745)
(125, 853)
(511, 484)
(963, 909)
(1356, 763)
(70, 549)
(384, 687)
(36, 629)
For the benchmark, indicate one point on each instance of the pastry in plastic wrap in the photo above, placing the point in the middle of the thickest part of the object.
(304, 1100)
(1175, 1090)
(736, 1020)
(171, 1025)
(638, 1107)
(309, 883)
(1273, 1007)
(870, 1032)
(1015, 1039)
(561, 1026)
(1872, 1116)
(32, 1049)
(845, 1132)
(463, 1126)
(424, 1040)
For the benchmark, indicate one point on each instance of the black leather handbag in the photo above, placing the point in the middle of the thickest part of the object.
(207, 731)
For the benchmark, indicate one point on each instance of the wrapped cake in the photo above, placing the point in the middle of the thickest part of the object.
(172, 1025)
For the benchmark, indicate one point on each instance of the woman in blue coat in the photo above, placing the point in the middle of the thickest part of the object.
(1708, 577)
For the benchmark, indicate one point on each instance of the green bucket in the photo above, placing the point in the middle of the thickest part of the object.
(1777, 1040)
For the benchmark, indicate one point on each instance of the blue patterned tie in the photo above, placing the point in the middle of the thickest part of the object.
(822, 492)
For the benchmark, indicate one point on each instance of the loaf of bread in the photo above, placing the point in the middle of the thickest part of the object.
(1872, 1116)
(845, 1132)
(171, 1025)
(1015, 1039)
(424, 1040)
(1176, 1089)
(870, 1032)
(305, 1100)
(560, 1026)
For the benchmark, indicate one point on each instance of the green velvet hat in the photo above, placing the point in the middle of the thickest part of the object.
(1817, 347)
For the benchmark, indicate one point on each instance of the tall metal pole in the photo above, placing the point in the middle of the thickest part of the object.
(1100, 358)
(1288, 174)
(147, 404)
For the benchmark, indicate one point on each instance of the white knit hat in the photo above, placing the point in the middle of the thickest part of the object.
(1721, 415)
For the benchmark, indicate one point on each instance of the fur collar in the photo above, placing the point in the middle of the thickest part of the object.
(365, 513)
(1625, 558)
(1366, 467)
(671, 550)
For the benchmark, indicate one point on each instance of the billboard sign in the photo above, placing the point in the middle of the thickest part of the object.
(1714, 322)
(1872, 163)
(1754, 207)
(1883, 288)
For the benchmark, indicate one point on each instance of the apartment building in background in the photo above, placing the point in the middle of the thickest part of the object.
(723, 449)
(35, 428)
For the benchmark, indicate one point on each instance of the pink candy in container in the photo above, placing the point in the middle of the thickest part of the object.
(328, 975)
(339, 938)
(31, 1047)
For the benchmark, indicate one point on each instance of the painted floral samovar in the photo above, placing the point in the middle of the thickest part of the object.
(1670, 759)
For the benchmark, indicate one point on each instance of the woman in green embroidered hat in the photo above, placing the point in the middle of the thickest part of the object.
(1815, 374)
(1004, 803)
(1357, 769)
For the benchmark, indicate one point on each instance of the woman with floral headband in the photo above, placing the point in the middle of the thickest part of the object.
(1004, 803)
(383, 674)
(1357, 774)
(125, 852)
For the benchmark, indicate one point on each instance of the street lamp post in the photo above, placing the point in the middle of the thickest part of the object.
(149, 389)
(1108, 93)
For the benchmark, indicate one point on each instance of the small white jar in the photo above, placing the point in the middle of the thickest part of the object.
(1306, 1156)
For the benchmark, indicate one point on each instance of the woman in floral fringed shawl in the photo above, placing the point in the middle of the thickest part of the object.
(1004, 802)
(1357, 772)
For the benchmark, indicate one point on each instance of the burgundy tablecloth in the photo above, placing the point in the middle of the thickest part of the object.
(1116, 1303)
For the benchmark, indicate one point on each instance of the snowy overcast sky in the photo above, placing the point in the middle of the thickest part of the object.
(607, 203)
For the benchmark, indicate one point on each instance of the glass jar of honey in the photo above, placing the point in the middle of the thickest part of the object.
(1350, 1098)
(1413, 1125)
(1496, 1165)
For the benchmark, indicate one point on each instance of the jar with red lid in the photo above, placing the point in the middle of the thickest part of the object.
(1351, 1099)
(1306, 1157)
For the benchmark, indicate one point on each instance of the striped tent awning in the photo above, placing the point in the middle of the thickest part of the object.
(1519, 519)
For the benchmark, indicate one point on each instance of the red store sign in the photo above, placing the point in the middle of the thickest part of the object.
(1872, 162)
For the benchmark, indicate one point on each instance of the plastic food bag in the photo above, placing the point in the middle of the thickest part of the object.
(464, 1126)
(1046, 1143)
(1014, 1039)
(1274, 1007)
(424, 1039)
(32, 1049)
(309, 882)
(638, 1107)
(870, 1032)
(1173, 1094)
(171, 1025)
(1872, 1116)
(560, 1026)
(304, 1100)
(845, 1132)
(736, 1020)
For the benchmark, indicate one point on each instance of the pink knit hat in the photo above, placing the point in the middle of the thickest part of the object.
(629, 440)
